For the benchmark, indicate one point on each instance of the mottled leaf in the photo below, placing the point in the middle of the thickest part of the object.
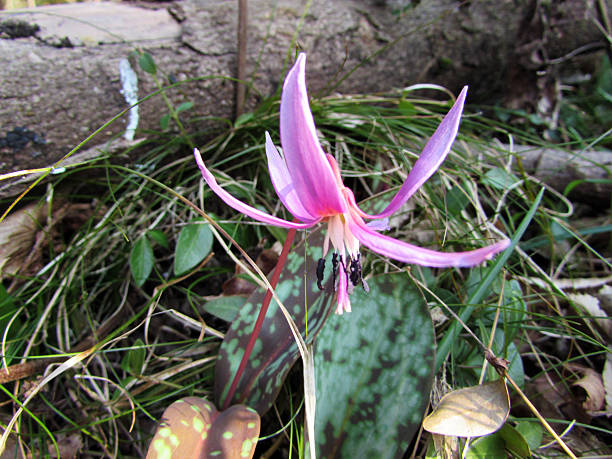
(192, 428)
(275, 350)
(471, 411)
(373, 371)
(194, 244)
(141, 260)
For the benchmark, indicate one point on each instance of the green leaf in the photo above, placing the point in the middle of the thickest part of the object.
(275, 350)
(225, 307)
(515, 309)
(450, 337)
(531, 432)
(141, 260)
(194, 244)
(147, 63)
(508, 350)
(192, 428)
(159, 237)
(374, 371)
(514, 441)
(243, 119)
(499, 178)
(487, 447)
(456, 201)
(164, 121)
(184, 106)
(134, 358)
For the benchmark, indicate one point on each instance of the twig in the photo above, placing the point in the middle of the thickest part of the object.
(242, 50)
(534, 410)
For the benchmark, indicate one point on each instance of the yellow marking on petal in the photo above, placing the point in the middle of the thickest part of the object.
(198, 424)
(250, 425)
(204, 435)
(184, 422)
(215, 453)
(228, 435)
(165, 432)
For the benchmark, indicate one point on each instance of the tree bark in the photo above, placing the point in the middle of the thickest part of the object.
(62, 82)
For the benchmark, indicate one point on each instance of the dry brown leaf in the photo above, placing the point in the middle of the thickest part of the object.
(591, 305)
(607, 382)
(592, 384)
(605, 297)
(17, 237)
(471, 411)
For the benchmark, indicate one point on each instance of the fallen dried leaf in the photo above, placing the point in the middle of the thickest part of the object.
(607, 382)
(17, 238)
(471, 411)
(592, 384)
(591, 305)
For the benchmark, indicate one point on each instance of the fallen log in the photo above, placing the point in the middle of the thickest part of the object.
(64, 73)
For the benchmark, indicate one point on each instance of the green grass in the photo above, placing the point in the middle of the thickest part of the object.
(143, 347)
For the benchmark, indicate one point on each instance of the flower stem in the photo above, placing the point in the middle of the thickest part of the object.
(260, 318)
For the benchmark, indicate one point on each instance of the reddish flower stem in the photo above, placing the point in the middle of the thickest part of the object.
(260, 318)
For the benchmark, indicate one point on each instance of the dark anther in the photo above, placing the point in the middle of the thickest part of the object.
(334, 268)
(320, 272)
(355, 268)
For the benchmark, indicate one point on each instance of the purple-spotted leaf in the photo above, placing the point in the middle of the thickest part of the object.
(192, 428)
(275, 350)
(373, 372)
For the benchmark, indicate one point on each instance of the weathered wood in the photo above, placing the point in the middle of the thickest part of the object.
(63, 83)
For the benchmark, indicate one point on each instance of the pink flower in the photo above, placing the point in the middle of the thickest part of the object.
(308, 183)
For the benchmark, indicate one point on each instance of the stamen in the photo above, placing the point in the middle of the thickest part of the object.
(320, 272)
(355, 268)
(356, 274)
(344, 268)
(334, 268)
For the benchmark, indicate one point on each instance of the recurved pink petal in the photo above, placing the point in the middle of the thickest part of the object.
(310, 170)
(408, 253)
(241, 206)
(429, 161)
(283, 183)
